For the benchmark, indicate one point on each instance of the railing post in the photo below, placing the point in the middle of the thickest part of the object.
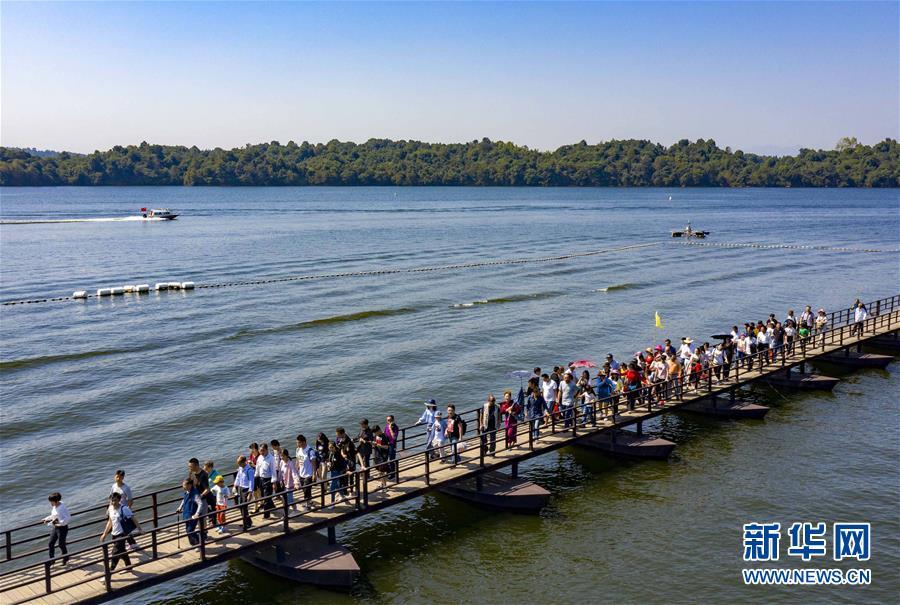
(322, 492)
(482, 446)
(8, 545)
(284, 511)
(366, 490)
(107, 577)
(356, 488)
(531, 424)
(154, 553)
(47, 586)
(402, 439)
(155, 510)
(203, 538)
(427, 468)
(709, 380)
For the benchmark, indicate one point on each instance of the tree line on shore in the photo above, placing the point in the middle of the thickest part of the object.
(626, 163)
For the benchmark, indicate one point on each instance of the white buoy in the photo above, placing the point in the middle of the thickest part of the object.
(187, 285)
(141, 288)
(128, 288)
(79, 294)
(162, 286)
(174, 285)
(103, 291)
(117, 291)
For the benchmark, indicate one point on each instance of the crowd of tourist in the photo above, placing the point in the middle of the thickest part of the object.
(568, 395)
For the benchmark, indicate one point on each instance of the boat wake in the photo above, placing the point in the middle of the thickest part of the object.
(505, 299)
(617, 287)
(39, 221)
(325, 321)
(33, 362)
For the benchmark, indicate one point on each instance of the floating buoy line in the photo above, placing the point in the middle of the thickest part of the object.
(143, 289)
(784, 247)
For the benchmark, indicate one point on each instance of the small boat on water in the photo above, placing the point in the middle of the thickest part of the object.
(158, 214)
(690, 232)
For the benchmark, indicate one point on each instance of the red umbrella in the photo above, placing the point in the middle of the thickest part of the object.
(583, 363)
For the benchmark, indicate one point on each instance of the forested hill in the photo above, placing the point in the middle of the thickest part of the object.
(629, 163)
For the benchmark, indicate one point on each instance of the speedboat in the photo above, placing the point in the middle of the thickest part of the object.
(163, 214)
(689, 232)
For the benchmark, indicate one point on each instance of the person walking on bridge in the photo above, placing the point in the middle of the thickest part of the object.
(201, 481)
(565, 397)
(807, 318)
(821, 322)
(685, 352)
(337, 466)
(243, 489)
(192, 507)
(265, 472)
(364, 440)
(489, 422)
(307, 462)
(120, 521)
(456, 428)
(510, 411)
(535, 407)
(860, 315)
(119, 486)
(427, 418)
(392, 432)
(58, 520)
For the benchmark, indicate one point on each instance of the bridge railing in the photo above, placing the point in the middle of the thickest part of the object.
(421, 465)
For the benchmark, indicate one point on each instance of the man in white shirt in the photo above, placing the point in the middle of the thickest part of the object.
(860, 315)
(685, 352)
(566, 398)
(120, 487)
(548, 389)
(762, 342)
(58, 520)
(278, 478)
(266, 472)
(307, 463)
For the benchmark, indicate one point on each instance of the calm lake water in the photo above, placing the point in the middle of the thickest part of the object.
(146, 383)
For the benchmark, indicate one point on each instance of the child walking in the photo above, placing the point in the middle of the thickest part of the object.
(222, 493)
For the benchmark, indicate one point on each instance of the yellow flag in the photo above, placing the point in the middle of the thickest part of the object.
(658, 321)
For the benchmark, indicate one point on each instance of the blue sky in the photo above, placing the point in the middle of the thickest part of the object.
(766, 77)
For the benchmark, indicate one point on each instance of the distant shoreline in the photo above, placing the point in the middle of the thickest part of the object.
(485, 163)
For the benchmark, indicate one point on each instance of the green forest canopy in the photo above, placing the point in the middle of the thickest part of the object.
(630, 163)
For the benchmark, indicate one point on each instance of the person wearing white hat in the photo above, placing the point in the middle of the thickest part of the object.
(438, 440)
(685, 352)
(821, 322)
(427, 418)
